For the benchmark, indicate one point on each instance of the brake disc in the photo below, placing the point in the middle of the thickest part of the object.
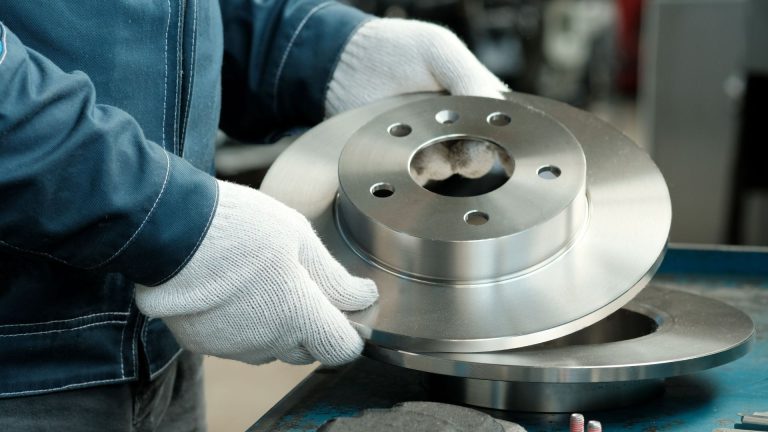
(575, 232)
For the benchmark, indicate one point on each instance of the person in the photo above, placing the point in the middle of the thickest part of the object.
(122, 259)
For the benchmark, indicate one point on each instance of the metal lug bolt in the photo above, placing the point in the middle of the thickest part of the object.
(594, 426)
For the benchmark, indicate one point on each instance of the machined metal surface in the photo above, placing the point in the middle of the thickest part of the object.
(545, 397)
(423, 235)
(617, 362)
(553, 255)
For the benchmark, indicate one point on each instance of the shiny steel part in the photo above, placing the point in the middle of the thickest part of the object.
(555, 255)
(545, 397)
(530, 219)
(616, 362)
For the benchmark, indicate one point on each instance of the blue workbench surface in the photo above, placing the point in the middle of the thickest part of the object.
(696, 403)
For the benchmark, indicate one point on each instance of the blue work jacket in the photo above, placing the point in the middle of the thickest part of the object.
(108, 111)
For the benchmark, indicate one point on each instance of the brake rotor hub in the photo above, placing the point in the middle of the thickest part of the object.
(417, 233)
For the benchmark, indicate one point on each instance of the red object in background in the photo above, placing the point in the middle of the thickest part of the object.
(629, 20)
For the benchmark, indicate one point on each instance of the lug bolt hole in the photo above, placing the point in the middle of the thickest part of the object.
(382, 190)
(476, 217)
(447, 117)
(549, 172)
(499, 119)
(399, 130)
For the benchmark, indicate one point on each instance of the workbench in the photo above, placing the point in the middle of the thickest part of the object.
(699, 403)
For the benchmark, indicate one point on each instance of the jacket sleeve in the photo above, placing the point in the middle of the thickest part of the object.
(81, 185)
(279, 56)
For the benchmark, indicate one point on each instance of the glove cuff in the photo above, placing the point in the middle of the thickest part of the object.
(198, 286)
(340, 91)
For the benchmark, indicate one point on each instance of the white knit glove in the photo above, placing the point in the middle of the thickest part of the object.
(388, 57)
(261, 286)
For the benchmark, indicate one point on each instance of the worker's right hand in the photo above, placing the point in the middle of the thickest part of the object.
(261, 286)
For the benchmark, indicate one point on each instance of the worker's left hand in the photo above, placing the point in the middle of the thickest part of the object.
(388, 57)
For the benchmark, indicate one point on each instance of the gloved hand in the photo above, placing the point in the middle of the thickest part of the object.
(261, 286)
(388, 57)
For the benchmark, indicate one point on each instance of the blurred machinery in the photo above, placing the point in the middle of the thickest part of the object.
(703, 92)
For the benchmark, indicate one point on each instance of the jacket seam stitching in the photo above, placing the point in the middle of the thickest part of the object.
(5, 44)
(134, 342)
(177, 101)
(64, 330)
(151, 210)
(165, 79)
(144, 330)
(34, 252)
(197, 245)
(79, 384)
(193, 58)
(295, 34)
(63, 320)
(122, 339)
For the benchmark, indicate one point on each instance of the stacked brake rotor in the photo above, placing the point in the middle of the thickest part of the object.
(511, 288)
